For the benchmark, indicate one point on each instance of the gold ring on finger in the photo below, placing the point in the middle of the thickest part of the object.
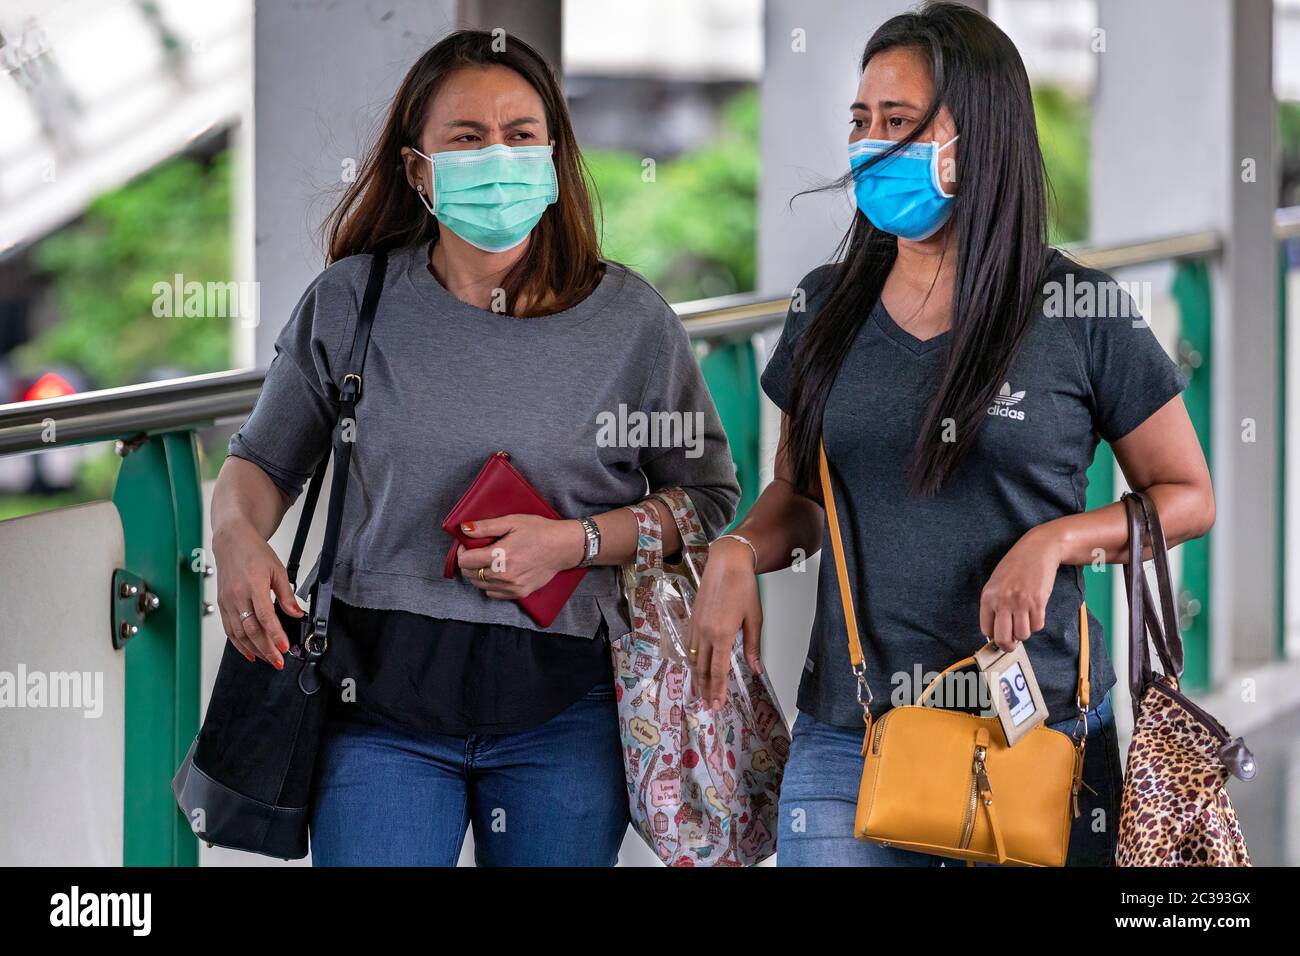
(482, 575)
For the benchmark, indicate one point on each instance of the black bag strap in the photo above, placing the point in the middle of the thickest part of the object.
(304, 520)
(1145, 612)
(344, 425)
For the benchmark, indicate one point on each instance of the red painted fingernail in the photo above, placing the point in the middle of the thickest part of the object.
(468, 527)
(283, 647)
(279, 664)
(250, 658)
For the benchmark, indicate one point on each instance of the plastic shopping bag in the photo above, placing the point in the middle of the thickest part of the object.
(702, 786)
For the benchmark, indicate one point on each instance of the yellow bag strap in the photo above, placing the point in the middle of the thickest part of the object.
(1081, 697)
(846, 593)
(851, 617)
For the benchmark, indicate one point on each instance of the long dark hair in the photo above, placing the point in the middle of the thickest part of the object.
(1000, 222)
(379, 211)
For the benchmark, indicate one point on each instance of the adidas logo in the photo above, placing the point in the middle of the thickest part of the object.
(1005, 402)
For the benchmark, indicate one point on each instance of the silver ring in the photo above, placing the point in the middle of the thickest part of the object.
(244, 616)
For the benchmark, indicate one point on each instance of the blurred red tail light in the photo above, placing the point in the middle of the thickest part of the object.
(49, 385)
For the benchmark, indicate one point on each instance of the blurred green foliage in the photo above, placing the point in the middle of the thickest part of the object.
(17, 506)
(174, 219)
(689, 224)
(1288, 130)
(1064, 127)
(96, 474)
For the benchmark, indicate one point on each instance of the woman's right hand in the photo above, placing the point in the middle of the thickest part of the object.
(248, 570)
(727, 602)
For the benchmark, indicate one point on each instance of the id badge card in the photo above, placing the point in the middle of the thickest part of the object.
(1016, 698)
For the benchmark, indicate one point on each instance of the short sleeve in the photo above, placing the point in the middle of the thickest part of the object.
(778, 375)
(705, 469)
(1130, 373)
(289, 429)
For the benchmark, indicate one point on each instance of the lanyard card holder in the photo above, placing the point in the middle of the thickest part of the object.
(1014, 689)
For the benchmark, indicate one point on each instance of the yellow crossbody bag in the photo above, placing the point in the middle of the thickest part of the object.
(945, 782)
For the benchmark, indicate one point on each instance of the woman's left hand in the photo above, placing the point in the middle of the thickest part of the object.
(1013, 604)
(528, 552)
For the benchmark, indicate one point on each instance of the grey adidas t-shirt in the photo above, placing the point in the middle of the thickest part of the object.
(597, 405)
(918, 564)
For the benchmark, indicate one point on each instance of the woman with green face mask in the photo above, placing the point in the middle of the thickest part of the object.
(490, 197)
(499, 328)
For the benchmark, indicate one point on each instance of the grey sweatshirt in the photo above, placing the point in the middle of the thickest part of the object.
(597, 405)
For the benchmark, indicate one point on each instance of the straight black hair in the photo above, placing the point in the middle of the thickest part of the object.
(1000, 223)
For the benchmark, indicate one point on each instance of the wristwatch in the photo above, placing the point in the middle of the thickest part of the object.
(592, 531)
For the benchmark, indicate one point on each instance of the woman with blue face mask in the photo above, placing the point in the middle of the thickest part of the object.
(961, 373)
(499, 328)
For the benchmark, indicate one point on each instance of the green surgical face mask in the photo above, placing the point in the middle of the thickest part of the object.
(494, 196)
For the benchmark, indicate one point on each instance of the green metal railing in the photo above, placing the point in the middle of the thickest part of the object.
(158, 495)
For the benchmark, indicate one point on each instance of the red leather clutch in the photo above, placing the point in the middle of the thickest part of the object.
(499, 490)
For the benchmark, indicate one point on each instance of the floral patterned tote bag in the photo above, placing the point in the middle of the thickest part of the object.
(702, 786)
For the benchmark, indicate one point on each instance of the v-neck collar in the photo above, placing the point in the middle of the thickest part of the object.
(885, 322)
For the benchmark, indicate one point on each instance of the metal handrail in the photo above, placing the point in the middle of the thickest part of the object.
(200, 400)
(747, 313)
(129, 410)
(1192, 245)
(732, 315)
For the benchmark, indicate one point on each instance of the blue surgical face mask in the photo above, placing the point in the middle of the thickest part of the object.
(491, 197)
(903, 193)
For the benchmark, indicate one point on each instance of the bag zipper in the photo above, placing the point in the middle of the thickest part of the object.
(1202, 717)
(979, 784)
(969, 824)
(880, 730)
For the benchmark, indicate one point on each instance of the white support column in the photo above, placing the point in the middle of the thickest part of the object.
(1184, 102)
(538, 22)
(810, 75)
(324, 73)
(1248, 346)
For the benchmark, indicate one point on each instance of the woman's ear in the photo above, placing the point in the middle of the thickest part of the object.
(944, 132)
(416, 167)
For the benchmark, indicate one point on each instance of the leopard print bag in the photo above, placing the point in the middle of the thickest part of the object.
(1175, 809)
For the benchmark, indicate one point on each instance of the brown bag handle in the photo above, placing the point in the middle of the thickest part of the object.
(1145, 613)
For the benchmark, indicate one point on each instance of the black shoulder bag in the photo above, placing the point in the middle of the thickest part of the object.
(246, 782)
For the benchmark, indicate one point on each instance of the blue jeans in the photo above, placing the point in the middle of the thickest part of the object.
(819, 799)
(553, 795)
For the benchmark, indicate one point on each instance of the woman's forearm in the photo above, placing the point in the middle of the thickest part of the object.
(618, 534)
(1186, 511)
(244, 495)
(782, 526)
